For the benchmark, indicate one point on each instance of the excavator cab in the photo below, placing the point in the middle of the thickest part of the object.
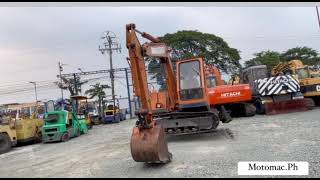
(191, 84)
(303, 73)
(211, 81)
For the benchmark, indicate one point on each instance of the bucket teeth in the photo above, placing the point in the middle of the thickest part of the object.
(150, 145)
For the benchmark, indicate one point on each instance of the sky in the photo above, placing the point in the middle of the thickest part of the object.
(34, 39)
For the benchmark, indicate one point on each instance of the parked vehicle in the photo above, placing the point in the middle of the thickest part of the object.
(113, 115)
(80, 107)
(17, 130)
(61, 126)
(72, 121)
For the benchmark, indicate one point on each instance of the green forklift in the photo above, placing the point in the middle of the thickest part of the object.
(82, 109)
(66, 123)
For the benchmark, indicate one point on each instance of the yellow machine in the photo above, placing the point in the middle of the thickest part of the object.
(309, 79)
(235, 79)
(315, 73)
(16, 130)
(113, 114)
(81, 107)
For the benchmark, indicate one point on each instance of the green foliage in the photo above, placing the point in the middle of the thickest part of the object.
(69, 84)
(188, 44)
(97, 90)
(269, 58)
(307, 55)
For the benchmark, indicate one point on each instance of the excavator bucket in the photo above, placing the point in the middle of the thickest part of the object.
(295, 105)
(150, 145)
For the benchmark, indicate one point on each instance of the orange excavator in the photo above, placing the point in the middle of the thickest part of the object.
(232, 100)
(188, 107)
(236, 98)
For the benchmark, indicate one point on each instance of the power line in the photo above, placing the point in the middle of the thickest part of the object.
(24, 83)
(24, 89)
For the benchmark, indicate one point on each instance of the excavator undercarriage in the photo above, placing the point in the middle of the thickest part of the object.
(179, 123)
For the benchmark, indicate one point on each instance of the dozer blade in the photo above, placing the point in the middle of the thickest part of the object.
(295, 105)
(150, 145)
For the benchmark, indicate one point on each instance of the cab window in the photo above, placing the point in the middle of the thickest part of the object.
(211, 81)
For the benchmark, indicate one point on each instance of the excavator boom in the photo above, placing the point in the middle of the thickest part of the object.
(148, 140)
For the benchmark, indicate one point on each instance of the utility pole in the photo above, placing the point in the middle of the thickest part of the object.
(35, 89)
(128, 90)
(75, 84)
(60, 70)
(75, 90)
(109, 45)
(318, 15)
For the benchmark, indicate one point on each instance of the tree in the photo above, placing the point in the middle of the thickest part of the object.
(97, 90)
(187, 44)
(307, 55)
(69, 84)
(268, 58)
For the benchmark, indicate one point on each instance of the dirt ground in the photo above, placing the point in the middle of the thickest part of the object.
(105, 150)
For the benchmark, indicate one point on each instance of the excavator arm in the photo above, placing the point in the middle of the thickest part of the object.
(148, 140)
(153, 49)
(139, 74)
(285, 67)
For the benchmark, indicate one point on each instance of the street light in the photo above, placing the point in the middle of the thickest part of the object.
(35, 89)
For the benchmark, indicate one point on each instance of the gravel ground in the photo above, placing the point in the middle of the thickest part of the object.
(105, 151)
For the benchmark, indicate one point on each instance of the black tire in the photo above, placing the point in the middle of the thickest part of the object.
(65, 137)
(215, 122)
(310, 103)
(260, 109)
(78, 133)
(225, 116)
(317, 100)
(250, 110)
(5, 143)
(38, 137)
(117, 120)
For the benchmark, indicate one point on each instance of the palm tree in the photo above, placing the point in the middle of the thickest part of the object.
(97, 90)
